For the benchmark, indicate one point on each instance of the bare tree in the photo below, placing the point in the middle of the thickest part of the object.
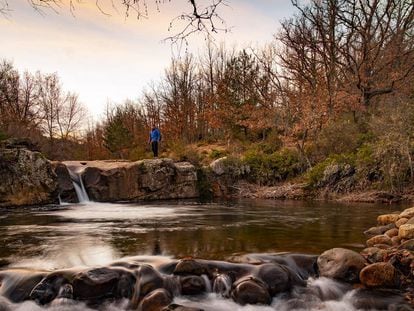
(202, 16)
(69, 116)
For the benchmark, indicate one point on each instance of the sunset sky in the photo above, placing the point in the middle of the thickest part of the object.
(108, 57)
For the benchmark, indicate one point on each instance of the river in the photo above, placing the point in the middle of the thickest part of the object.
(95, 234)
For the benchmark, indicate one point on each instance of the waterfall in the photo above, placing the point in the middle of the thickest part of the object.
(77, 181)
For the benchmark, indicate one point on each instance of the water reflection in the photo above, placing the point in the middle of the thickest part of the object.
(96, 233)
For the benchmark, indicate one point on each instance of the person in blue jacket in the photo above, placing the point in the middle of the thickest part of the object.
(154, 139)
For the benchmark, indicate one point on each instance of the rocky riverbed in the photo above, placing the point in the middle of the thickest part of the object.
(380, 277)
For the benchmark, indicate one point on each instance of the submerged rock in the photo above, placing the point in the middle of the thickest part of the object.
(103, 283)
(342, 264)
(250, 290)
(155, 300)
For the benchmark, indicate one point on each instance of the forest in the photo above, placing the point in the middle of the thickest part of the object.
(336, 85)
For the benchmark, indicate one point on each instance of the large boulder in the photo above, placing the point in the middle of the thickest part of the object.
(66, 189)
(154, 179)
(342, 264)
(27, 177)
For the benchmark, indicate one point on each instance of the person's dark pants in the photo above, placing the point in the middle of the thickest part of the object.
(154, 147)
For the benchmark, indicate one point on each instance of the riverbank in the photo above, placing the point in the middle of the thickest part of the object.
(301, 191)
(30, 179)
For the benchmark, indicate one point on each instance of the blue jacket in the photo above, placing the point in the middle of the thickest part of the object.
(155, 135)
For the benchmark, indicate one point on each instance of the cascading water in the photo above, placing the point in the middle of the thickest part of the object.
(76, 176)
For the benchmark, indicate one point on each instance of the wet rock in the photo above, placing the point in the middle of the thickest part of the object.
(156, 300)
(392, 233)
(64, 297)
(175, 307)
(17, 285)
(48, 289)
(380, 274)
(249, 290)
(27, 178)
(387, 219)
(377, 299)
(276, 277)
(342, 264)
(379, 239)
(407, 213)
(192, 285)
(149, 280)
(190, 267)
(222, 285)
(406, 231)
(102, 283)
(65, 185)
(401, 222)
(373, 231)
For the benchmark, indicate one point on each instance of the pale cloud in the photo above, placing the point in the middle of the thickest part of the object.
(109, 57)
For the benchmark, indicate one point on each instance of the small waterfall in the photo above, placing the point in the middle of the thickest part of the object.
(207, 283)
(77, 181)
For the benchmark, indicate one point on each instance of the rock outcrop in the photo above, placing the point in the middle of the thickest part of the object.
(27, 177)
(158, 179)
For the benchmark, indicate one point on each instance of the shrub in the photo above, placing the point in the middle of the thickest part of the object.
(216, 154)
(267, 169)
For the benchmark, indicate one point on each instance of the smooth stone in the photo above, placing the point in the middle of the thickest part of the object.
(401, 222)
(410, 221)
(16, 285)
(276, 277)
(149, 280)
(379, 239)
(407, 213)
(249, 290)
(406, 231)
(342, 264)
(176, 307)
(155, 300)
(48, 289)
(373, 231)
(387, 219)
(190, 267)
(392, 233)
(380, 274)
(192, 285)
(222, 285)
(102, 283)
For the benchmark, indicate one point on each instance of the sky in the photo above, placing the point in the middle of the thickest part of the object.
(108, 57)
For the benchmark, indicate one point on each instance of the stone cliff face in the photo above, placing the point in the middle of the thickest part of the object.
(26, 177)
(158, 179)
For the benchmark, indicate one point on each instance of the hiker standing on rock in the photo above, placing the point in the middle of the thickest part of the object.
(154, 139)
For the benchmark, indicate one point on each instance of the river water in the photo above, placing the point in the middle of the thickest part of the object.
(95, 234)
